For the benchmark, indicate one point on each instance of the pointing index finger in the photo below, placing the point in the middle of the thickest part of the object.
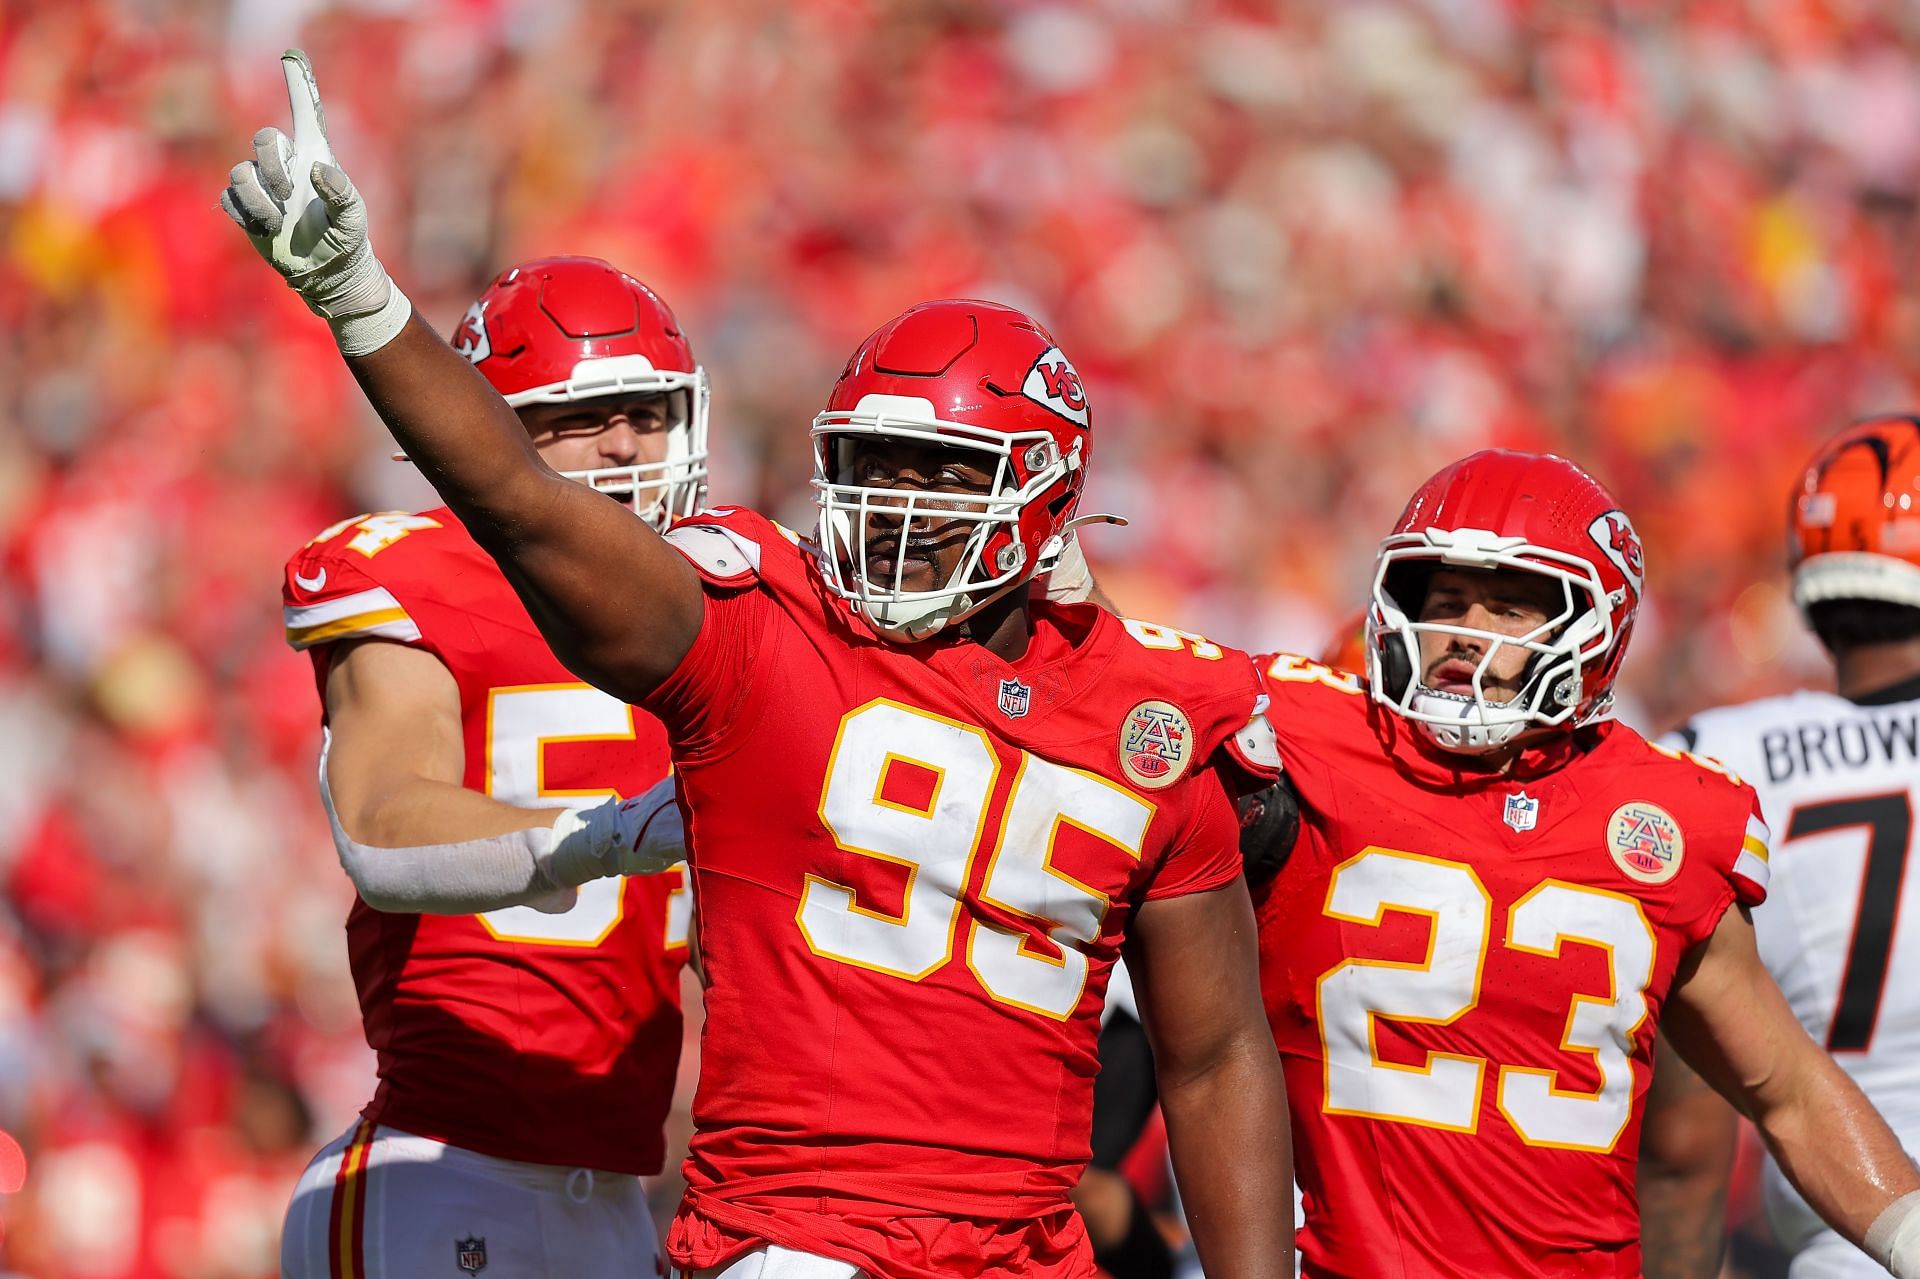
(309, 118)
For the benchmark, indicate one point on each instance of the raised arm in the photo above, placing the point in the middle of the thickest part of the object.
(1729, 1020)
(618, 605)
(1195, 974)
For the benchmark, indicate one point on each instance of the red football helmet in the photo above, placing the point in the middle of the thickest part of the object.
(966, 375)
(560, 329)
(1516, 511)
(1856, 517)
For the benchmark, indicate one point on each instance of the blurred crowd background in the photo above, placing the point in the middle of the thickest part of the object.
(1303, 254)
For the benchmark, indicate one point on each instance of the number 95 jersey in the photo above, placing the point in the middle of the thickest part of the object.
(915, 865)
(1463, 971)
(546, 1038)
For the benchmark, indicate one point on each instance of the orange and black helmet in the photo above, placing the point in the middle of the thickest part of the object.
(1856, 517)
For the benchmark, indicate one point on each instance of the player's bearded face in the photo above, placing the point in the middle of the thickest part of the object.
(606, 431)
(927, 550)
(1501, 601)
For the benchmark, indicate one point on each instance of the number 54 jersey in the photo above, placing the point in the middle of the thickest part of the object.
(1463, 972)
(546, 1038)
(915, 865)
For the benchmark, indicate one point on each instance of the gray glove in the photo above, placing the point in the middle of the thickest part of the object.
(305, 218)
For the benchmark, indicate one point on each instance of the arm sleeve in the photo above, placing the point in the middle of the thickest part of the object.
(450, 879)
(1207, 854)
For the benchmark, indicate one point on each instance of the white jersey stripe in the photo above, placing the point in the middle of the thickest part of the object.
(372, 614)
(300, 617)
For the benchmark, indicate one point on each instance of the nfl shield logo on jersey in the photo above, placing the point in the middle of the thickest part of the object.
(1015, 697)
(471, 1253)
(1522, 811)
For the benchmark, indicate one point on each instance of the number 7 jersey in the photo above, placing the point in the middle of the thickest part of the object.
(1464, 971)
(1837, 780)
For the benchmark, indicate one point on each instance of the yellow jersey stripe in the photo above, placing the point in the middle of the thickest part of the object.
(308, 636)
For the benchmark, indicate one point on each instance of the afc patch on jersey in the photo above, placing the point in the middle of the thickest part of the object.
(1156, 744)
(1645, 842)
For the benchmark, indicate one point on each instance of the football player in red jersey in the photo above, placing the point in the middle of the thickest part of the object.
(926, 806)
(1497, 891)
(528, 1030)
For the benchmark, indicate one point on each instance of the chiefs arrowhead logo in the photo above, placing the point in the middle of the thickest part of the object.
(1613, 534)
(1054, 383)
(471, 339)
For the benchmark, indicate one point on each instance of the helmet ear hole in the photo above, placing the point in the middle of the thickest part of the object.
(1396, 664)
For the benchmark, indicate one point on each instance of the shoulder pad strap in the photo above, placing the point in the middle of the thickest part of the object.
(719, 553)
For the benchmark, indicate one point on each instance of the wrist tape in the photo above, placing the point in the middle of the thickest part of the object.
(1893, 1239)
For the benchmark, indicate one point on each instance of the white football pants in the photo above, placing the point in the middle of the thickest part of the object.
(384, 1204)
(775, 1262)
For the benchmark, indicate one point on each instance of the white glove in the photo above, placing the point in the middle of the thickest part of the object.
(305, 218)
(638, 836)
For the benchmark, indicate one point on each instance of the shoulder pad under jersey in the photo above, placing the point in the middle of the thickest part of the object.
(720, 553)
(1256, 747)
(728, 545)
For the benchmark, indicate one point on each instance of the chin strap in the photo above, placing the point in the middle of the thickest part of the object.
(1063, 549)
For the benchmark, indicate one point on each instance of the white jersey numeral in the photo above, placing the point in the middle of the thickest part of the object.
(521, 723)
(913, 789)
(1445, 1091)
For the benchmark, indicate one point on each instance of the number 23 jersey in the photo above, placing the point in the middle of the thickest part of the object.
(548, 1038)
(915, 865)
(1463, 972)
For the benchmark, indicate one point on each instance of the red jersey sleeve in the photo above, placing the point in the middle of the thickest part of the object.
(1207, 854)
(334, 589)
(708, 696)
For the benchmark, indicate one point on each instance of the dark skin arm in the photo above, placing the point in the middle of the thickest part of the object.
(1195, 974)
(617, 604)
(1686, 1156)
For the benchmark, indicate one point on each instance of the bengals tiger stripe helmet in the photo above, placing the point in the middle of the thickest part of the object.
(1856, 516)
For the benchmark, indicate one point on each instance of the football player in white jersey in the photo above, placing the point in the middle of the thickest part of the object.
(1839, 779)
